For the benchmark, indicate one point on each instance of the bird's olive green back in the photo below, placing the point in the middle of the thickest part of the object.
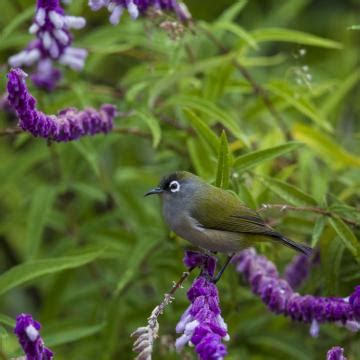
(217, 209)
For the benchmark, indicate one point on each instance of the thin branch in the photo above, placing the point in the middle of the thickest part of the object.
(172, 122)
(146, 335)
(132, 131)
(258, 89)
(324, 212)
(10, 131)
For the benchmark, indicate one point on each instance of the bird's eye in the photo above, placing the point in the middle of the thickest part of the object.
(174, 186)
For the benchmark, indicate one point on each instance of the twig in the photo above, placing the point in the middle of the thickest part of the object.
(285, 207)
(258, 89)
(176, 125)
(132, 131)
(146, 335)
(10, 131)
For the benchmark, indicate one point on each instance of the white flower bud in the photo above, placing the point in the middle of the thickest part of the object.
(75, 22)
(56, 19)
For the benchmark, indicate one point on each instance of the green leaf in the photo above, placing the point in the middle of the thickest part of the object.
(248, 161)
(317, 231)
(293, 36)
(65, 336)
(237, 30)
(325, 146)
(332, 252)
(137, 256)
(200, 158)
(34, 269)
(16, 22)
(354, 27)
(153, 125)
(289, 193)
(203, 130)
(41, 205)
(245, 195)
(336, 97)
(346, 235)
(299, 102)
(7, 320)
(189, 70)
(211, 110)
(233, 11)
(223, 169)
(281, 345)
(85, 148)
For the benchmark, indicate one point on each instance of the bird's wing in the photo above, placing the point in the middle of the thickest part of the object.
(223, 211)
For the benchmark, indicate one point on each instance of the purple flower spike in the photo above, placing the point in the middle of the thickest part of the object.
(202, 324)
(53, 42)
(336, 353)
(69, 124)
(297, 271)
(280, 298)
(137, 7)
(27, 331)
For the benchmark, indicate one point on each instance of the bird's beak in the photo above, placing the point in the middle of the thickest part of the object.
(154, 191)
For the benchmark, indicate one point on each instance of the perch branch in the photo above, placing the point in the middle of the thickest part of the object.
(146, 335)
(324, 212)
(10, 131)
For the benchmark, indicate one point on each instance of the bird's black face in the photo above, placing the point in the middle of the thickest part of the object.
(169, 185)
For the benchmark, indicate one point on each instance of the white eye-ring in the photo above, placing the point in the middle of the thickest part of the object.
(174, 186)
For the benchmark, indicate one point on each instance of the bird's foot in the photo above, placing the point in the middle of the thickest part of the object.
(216, 278)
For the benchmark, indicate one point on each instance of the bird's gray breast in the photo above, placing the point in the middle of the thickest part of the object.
(185, 226)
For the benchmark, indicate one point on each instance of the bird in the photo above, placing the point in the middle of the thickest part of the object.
(212, 218)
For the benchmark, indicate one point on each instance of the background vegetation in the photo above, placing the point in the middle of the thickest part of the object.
(94, 256)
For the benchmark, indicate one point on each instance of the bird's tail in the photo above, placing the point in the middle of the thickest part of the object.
(306, 250)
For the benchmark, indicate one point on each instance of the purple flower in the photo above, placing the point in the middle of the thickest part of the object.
(53, 42)
(297, 271)
(137, 7)
(68, 124)
(202, 323)
(280, 298)
(27, 331)
(336, 353)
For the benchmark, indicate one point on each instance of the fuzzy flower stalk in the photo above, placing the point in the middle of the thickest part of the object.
(140, 7)
(51, 26)
(201, 324)
(69, 124)
(280, 297)
(28, 332)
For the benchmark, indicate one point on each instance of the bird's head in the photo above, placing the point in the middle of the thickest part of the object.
(176, 185)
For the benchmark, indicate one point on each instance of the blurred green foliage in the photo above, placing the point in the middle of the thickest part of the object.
(88, 256)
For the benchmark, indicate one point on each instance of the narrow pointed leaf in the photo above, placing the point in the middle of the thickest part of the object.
(223, 170)
(248, 161)
(237, 30)
(40, 208)
(153, 125)
(233, 11)
(65, 336)
(325, 146)
(203, 130)
(289, 193)
(346, 235)
(293, 36)
(300, 103)
(34, 269)
(212, 111)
